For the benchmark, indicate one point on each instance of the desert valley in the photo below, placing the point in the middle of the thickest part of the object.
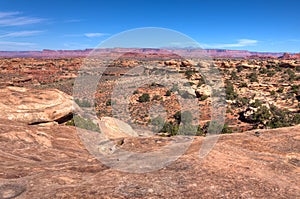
(256, 156)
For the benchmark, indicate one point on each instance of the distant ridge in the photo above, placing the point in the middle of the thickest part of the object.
(214, 53)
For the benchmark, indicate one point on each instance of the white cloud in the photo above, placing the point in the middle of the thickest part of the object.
(21, 34)
(8, 14)
(12, 43)
(16, 46)
(97, 34)
(72, 20)
(240, 43)
(15, 19)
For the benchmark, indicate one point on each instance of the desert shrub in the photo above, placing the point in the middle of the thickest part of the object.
(261, 115)
(188, 83)
(280, 90)
(296, 118)
(243, 84)
(186, 117)
(200, 131)
(186, 95)
(170, 128)
(110, 102)
(291, 74)
(174, 88)
(153, 84)
(145, 97)
(83, 123)
(135, 92)
(295, 88)
(257, 103)
(201, 81)
(83, 103)
(215, 127)
(243, 101)
(263, 70)
(177, 117)
(273, 117)
(158, 123)
(229, 90)
(226, 129)
(271, 73)
(277, 68)
(187, 129)
(234, 76)
(253, 77)
(240, 68)
(189, 73)
(203, 97)
(273, 92)
(156, 97)
(281, 118)
(168, 93)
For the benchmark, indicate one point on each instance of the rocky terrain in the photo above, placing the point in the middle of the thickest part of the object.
(51, 162)
(43, 154)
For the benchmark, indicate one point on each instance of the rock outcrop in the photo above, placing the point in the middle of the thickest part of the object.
(52, 162)
(113, 128)
(32, 106)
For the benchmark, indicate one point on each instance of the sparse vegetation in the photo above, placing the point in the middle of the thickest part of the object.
(83, 123)
(145, 97)
(253, 77)
(203, 97)
(168, 93)
(229, 90)
(83, 103)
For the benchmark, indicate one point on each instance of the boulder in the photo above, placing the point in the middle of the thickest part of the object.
(33, 106)
(203, 90)
(171, 63)
(114, 128)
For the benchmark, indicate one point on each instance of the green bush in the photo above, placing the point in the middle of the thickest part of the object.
(243, 101)
(229, 90)
(189, 73)
(156, 97)
(145, 97)
(295, 88)
(110, 102)
(203, 97)
(240, 68)
(170, 128)
(291, 74)
(168, 93)
(272, 92)
(83, 123)
(280, 90)
(253, 77)
(158, 123)
(174, 88)
(83, 103)
(215, 127)
(263, 71)
(186, 117)
(201, 81)
(271, 73)
(234, 76)
(261, 115)
(243, 84)
(257, 103)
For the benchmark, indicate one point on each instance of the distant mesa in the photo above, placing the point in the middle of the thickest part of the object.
(214, 53)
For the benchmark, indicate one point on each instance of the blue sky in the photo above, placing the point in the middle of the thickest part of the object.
(257, 25)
